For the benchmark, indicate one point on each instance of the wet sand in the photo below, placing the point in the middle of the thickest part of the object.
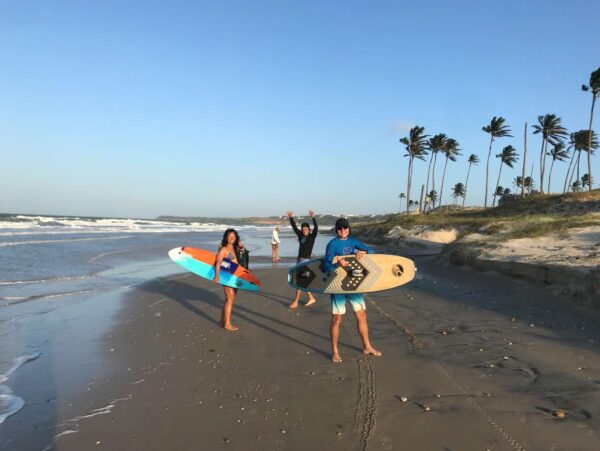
(472, 361)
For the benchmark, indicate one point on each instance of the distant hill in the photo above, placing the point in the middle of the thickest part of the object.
(323, 220)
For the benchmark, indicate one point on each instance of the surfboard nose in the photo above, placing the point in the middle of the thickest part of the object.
(175, 253)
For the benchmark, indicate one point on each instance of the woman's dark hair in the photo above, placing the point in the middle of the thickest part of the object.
(236, 245)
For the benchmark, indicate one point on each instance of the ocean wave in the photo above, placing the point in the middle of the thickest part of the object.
(66, 240)
(26, 225)
(10, 403)
(18, 299)
(53, 279)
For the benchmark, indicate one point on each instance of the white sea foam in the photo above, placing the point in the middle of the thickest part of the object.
(17, 299)
(54, 279)
(66, 240)
(10, 403)
(27, 225)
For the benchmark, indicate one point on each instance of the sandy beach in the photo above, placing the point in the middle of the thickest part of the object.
(472, 361)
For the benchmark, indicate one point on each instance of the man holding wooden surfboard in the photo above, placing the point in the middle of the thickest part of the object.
(345, 244)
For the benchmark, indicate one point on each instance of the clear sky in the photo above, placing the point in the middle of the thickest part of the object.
(236, 108)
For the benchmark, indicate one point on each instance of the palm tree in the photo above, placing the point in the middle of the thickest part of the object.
(401, 196)
(435, 144)
(508, 157)
(416, 147)
(473, 159)
(576, 186)
(496, 129)
(580, 141)
(586, 181)
(431, 197)
(458, 191)
(529, 184)
(594, 86)
(451, 150)
(552, 131)
(558, 153)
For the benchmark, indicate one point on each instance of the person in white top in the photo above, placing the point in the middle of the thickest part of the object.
(275, 244)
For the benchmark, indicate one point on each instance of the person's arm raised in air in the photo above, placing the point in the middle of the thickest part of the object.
(293, 223)
(315, 229)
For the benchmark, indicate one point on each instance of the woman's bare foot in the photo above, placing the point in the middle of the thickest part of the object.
(230, 327)
(294, 304)
(372, 351)
(310, 302)
(336, 358)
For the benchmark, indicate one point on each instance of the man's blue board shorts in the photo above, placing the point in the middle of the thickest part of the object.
(338, 303)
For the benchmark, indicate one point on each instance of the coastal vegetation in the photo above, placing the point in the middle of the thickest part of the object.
(529, 217)
(419, 145)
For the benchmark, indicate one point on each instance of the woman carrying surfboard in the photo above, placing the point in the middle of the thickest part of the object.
(306, 240)
(344, 244)
(231, 248)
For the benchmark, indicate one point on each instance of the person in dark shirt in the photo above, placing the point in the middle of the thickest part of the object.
(306, 239)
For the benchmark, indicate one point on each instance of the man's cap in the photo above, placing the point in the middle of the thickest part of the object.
(342, 223)
(304, 224)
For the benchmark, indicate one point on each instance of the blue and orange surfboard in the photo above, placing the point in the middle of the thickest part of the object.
(202, 263)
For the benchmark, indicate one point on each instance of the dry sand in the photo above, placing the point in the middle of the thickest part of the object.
(482, 360)
(567, 263)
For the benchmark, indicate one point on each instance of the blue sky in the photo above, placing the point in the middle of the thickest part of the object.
(239, 108)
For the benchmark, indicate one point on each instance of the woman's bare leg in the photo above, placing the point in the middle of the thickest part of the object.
(227, 307)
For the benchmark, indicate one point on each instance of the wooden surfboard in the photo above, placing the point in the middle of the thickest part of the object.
(373, 272)
(202, 263)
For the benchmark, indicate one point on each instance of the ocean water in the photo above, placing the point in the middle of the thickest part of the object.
(50, 256)
(50, 262)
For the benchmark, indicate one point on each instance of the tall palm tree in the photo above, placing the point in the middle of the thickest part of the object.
(581, 140)
(473, 159)
(496, 129)
(508, 157)
(451, 151)
(401, 196)
(435, 145)
(594, 86)
(416, 147)
(558, 153)
(524, 160)
(458, 191)
(552, 131)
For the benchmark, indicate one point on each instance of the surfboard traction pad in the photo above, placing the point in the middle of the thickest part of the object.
(366, 275)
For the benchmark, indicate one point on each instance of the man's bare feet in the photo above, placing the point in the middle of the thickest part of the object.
(372, 351)
(230, 327)
(294, 304)
(336, 358)
(310, 302)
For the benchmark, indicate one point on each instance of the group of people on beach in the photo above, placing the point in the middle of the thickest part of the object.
(342, 245)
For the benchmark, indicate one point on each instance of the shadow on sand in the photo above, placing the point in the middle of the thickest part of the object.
(188, 296)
